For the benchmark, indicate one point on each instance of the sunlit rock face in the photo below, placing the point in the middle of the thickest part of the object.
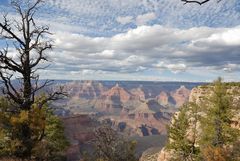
(84, 89)
(112, 99)
(174, 98)
(163, 98)
(137, 94)
(181, 95)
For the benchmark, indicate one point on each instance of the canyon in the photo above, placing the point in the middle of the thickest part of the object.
(138, 110)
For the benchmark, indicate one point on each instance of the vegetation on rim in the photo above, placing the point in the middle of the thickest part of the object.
(204, 131)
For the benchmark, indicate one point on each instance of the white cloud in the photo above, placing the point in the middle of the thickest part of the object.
(145, 18)
(106, 54)
(90, 37)
(231, 67)
(124, 20)
(144, 47)
(175, 68)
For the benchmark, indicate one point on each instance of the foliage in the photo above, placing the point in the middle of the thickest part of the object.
(47, 133)
(23, 115)
(183, 145)
(212, 153)
(215, 139)
(111, 146)
(235, 151)
(216, 125)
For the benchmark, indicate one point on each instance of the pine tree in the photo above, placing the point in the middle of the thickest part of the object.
(215, 139)
(183, 145)
(217, 132)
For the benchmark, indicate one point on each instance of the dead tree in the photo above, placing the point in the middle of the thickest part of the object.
(29, 41)
(18, 73)
(196, 1)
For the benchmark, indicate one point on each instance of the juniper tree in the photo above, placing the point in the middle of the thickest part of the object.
(216, 123)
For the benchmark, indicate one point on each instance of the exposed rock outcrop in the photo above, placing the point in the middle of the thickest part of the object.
(144, 120)
(163, 98)
(181, 95)
(84, 89)
(112, 99)
(137, 94)
(174, 98)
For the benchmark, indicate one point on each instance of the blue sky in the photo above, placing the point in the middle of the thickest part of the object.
(141, 39)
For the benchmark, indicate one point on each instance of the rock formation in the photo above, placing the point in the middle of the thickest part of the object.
(137, 94)
(163, 98)
(181, 95)
(112, 99)
(134, 108)
(142, 120)
(85, 89)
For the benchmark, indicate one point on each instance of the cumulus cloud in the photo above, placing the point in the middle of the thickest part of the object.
(151, 48)
(175, 68)
(104, 37)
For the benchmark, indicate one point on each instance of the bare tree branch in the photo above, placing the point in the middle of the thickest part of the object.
(196, 1)
(31, 43)
(6, 27)
(53, 96)
(9, 88)
(8, 63)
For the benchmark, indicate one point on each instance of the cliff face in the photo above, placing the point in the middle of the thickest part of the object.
(181, 95)
(137, 94)
(144, 120)
(84, 90)
(109, 97)
(163, 98)
(175, 98)
(112, 99)
(134, 108)
(197, 94)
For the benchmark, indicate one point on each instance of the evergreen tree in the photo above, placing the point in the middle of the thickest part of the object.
(217, 132)
(183, 145)
(215, 139)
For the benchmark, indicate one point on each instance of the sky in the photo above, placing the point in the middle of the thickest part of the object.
(149, 40)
